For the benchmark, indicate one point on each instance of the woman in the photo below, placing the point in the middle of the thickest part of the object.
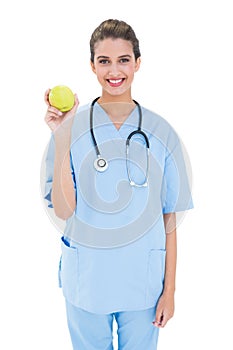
(119, 245)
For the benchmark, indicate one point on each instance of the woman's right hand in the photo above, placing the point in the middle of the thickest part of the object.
(55, 118)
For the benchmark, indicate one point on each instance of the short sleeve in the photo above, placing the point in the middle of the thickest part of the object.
(176, 191)
(49, 164)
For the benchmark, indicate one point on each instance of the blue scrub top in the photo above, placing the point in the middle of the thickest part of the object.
(113, 246)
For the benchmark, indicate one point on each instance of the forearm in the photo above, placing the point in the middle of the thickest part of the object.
(171, 253)
(63, 192)
(166, 306)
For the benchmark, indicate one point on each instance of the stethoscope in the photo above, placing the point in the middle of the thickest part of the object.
(101, 164)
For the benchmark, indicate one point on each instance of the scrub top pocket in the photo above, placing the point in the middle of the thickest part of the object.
(68, 272)
(156, 270)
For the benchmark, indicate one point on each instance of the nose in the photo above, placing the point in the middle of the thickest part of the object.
(113, 70)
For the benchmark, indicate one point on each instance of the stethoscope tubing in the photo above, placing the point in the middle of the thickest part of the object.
(101, 160)
(92, 127)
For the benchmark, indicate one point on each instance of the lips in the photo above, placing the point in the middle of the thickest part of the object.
(115, 82)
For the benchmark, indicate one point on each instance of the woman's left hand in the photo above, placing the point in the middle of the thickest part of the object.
(165, 309)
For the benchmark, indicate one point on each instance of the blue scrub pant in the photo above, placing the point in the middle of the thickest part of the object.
(91, 331)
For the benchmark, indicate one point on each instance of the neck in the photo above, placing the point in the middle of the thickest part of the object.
(107, 98)
(117, 107)
(118, 112)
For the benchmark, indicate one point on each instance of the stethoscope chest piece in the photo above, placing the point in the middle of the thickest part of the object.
(100, 164)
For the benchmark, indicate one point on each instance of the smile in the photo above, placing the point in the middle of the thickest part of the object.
(115, 82)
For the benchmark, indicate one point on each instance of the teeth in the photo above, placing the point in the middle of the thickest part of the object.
(115, 81)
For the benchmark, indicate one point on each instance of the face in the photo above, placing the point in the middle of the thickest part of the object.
(115, 65)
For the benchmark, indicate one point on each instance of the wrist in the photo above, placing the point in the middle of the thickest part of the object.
(62, 137)
(64, 127)
(62, 147)
(169, 290)
(62, 133)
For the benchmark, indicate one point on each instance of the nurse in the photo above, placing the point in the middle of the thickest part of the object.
(119, 244)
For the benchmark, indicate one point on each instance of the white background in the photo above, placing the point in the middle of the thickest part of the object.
(186, 76)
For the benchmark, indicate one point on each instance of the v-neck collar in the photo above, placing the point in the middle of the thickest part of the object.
(131, 120)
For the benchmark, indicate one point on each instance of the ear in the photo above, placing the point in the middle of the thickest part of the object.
(93, 67)
(137, 64)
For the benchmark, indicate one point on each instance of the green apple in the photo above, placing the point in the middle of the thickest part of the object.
(61, 97)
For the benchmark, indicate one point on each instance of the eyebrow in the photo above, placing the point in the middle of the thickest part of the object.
(105, 57)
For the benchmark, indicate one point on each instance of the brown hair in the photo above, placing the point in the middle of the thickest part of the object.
(115, 29)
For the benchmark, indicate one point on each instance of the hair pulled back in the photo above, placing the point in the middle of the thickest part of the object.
(115, 29)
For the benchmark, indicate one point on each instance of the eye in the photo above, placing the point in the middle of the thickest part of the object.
(103, 61)
(124, 60)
